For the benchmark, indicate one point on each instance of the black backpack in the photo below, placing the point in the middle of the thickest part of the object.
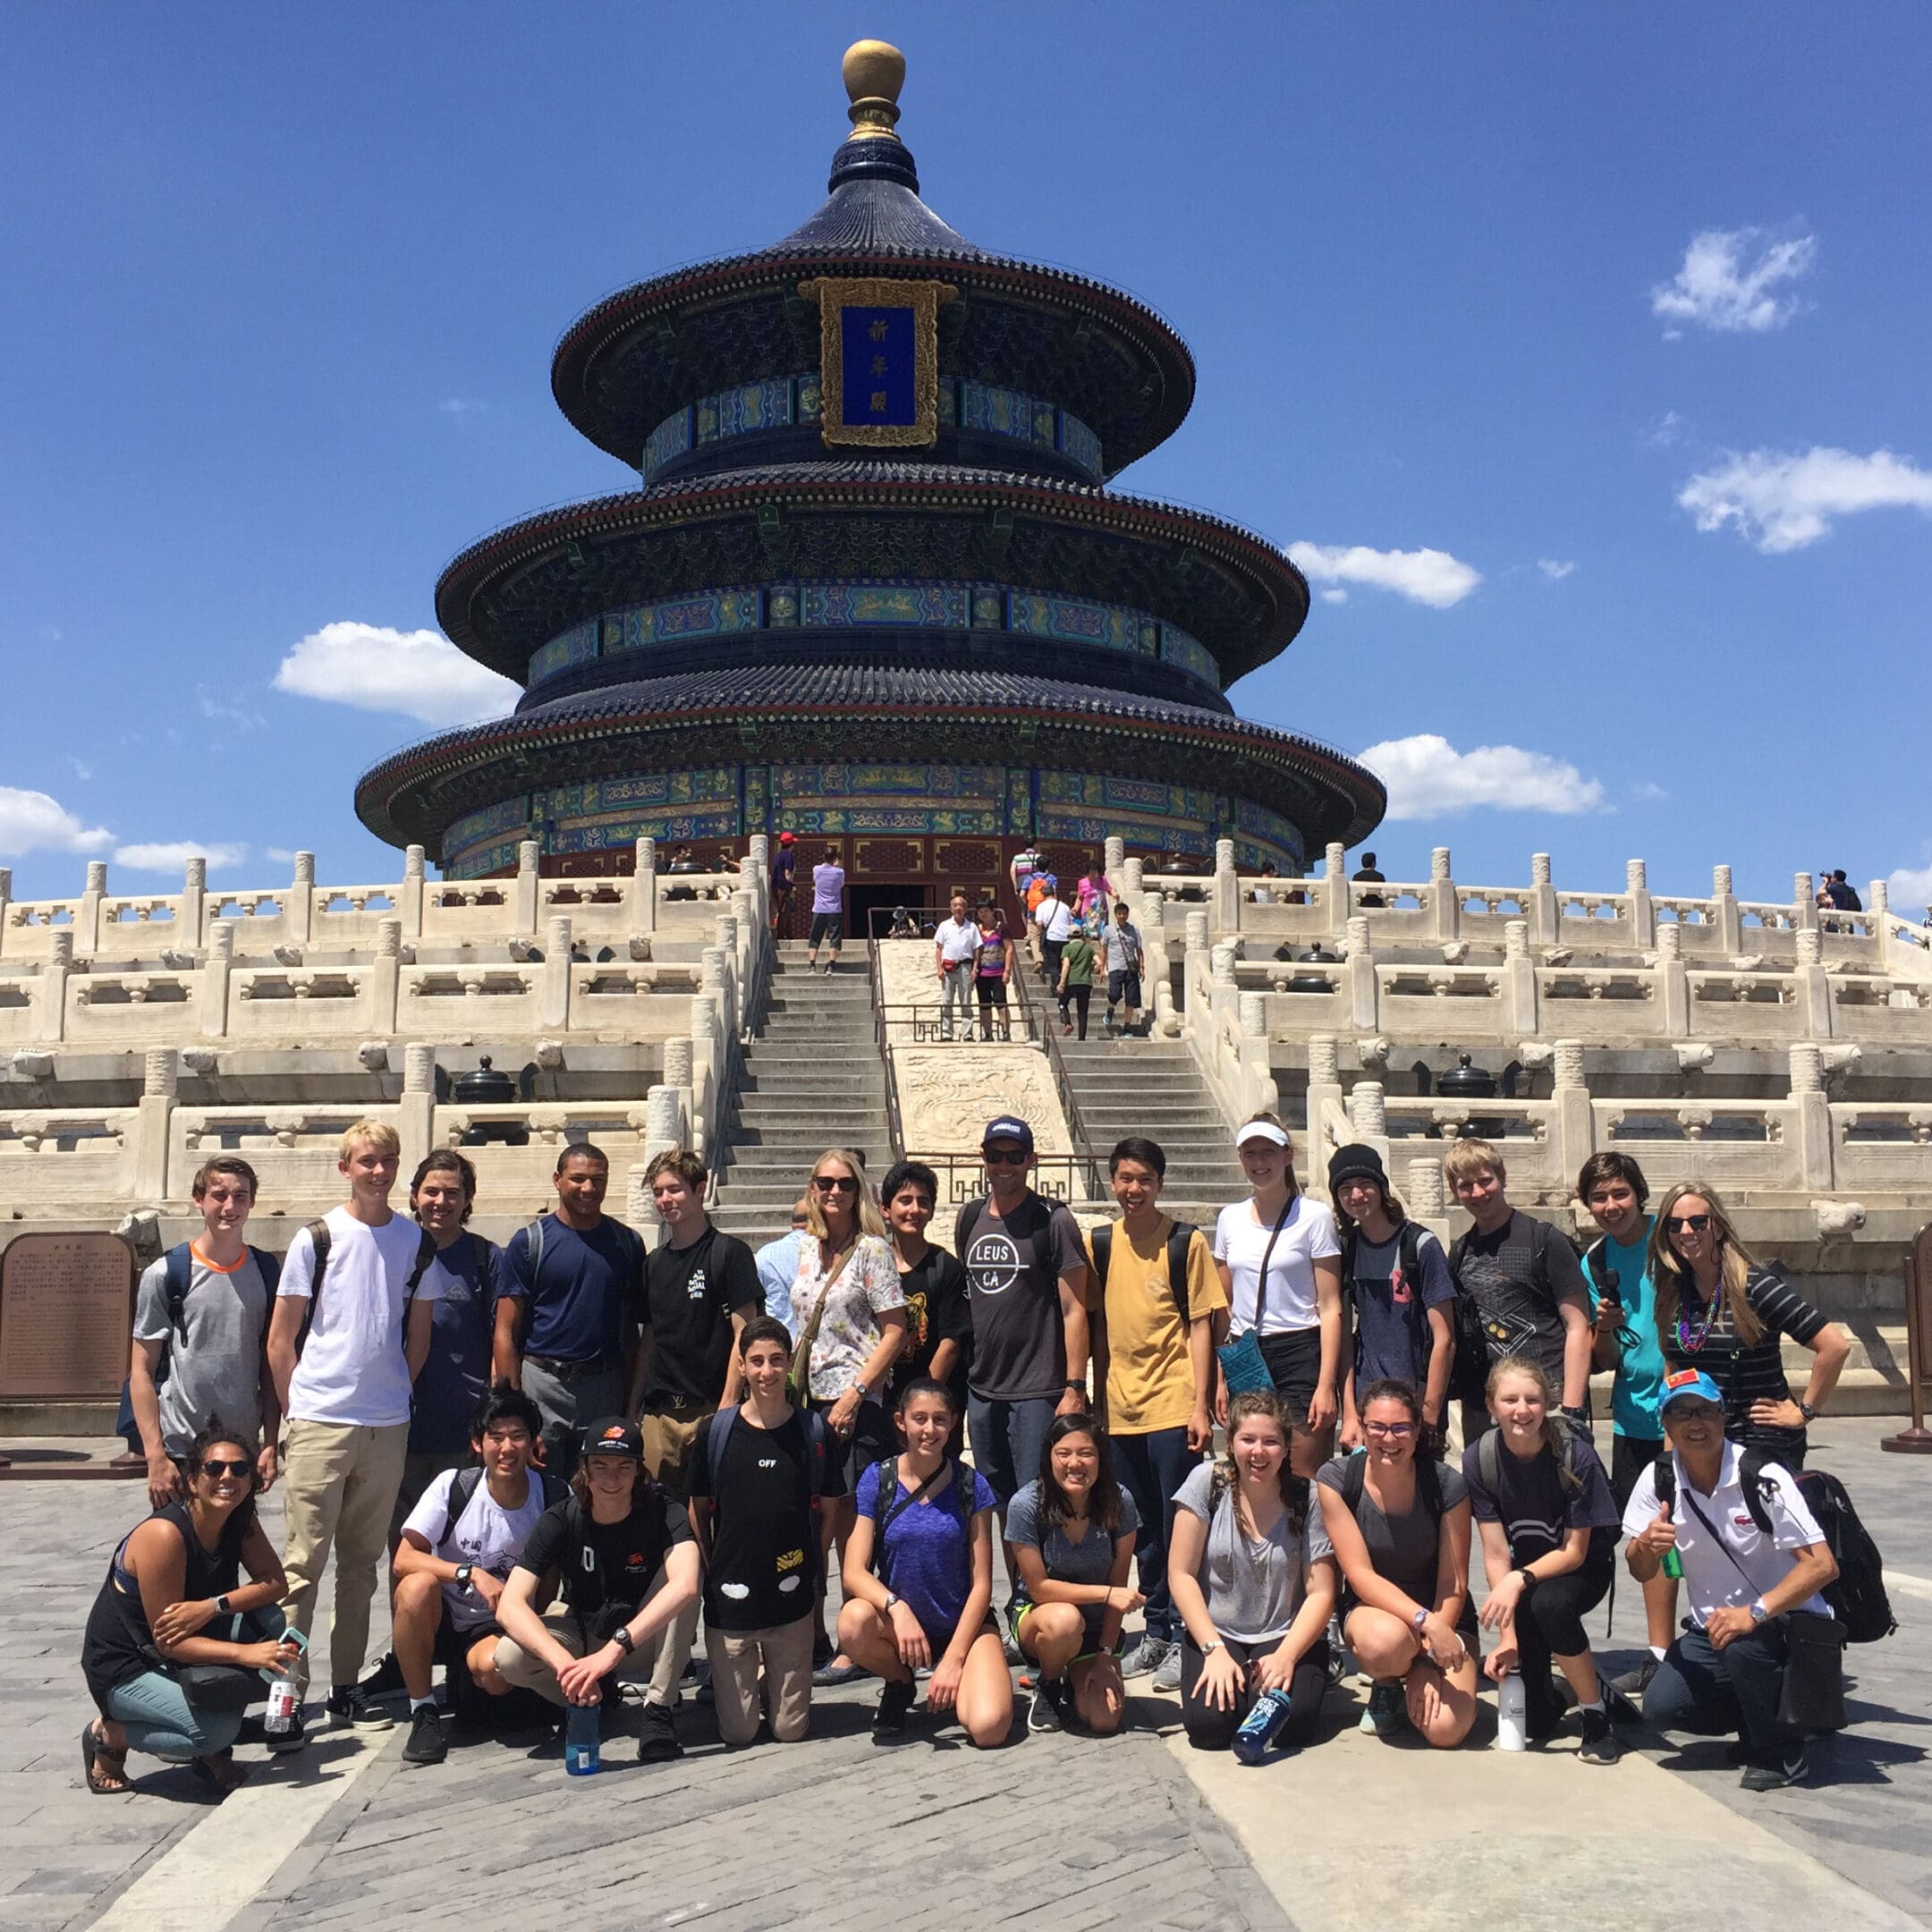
(1468, 1381)
(1178, 1242)
(1428, 1484)
(1857, 1596)
(1489, 1455)
(462, 1491)
(318, 1234)
(178, 1271)
(817, 1446)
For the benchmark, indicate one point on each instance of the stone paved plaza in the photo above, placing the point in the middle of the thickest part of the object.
(1136, 1830)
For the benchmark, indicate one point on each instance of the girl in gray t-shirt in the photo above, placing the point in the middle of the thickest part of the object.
(1071, 1531)
(1253, 1579)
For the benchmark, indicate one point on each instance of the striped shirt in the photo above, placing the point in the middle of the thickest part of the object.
(1745, 1374)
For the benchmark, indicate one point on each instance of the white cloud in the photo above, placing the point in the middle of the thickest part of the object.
(281, 854)
(81, 771)
(170, 855)
(32, 821)
(1554, 568)
(1910, 889)
(1785, 501)
(1664, 430)
(218, 711)
(1337, 595)
(1431, 577)
(1427, 777)
(419, 672)
(1648, 792)
(460, 408)
(1733, 281)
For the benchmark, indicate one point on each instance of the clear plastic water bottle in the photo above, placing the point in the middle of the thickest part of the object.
(1513, 1729)
(283, 1700)
(1261, 1726)
(583, 1730)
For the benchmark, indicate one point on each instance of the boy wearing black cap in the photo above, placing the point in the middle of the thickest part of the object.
(1396, 1277)
(622, 1550)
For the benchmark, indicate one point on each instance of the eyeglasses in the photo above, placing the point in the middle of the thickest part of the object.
(1010, 1158)
(834, 1183)
(1396, 1430)
(1695, 1223)
(216, 1467)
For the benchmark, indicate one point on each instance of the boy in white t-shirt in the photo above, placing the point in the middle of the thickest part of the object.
(345, 1387)
(459, 1545)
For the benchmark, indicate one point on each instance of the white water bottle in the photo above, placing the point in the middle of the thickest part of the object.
(1512, 1734)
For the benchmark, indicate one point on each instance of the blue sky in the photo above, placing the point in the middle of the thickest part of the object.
(1646, 516)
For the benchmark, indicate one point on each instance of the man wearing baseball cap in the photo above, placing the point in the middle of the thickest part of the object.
(1751, 1552)
(1026, 1283)
(784, 882)
(624, 1555)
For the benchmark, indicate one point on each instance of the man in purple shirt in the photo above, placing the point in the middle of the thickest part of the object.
(827, 908)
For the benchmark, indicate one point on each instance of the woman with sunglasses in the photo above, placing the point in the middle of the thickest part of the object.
(1400, 1524)
(1281, 1268)
(174, 1602)
(849, 1314)
(1718, 1311)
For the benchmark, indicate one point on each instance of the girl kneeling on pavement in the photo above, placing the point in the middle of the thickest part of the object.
(1072, 1533)
(175, 1638)
(1401, 1529)
(1550, 1533)
(925, 1521)
(1253, 1577)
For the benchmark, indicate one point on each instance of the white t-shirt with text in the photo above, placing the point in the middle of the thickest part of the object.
(353, 1370)
(1308, 1236)
(485, 1535)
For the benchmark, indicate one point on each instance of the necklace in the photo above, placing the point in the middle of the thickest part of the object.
(1692, 1337)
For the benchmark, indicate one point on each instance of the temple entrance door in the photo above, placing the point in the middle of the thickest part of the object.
(868, 908)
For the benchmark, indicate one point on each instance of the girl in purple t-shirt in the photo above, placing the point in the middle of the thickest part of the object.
(827, 908)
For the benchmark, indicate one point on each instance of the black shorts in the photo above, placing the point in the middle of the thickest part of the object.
(1122, 988)
(1630, 1457)
(453, 1646)
(873, 1439)
(1294, 1361)
(828, 926)
(991, 991)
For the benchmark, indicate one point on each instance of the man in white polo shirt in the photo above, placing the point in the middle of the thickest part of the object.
(355, 1281)
(1748, 1561)
(955, 945)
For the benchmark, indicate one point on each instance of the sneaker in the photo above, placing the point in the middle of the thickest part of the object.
(386, 1680)
(1634, 1683)
(290, 1739)
(658, 1738)
(1789, 1769)
(1043, 1713)
(894, 1704)
(1148, 1654)
(426, 1744)
(348, 1705)
(1600, 1744)
(1387, 1715)
(1168, 1676)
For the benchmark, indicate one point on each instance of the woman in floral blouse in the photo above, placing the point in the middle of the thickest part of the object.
(848, 1312)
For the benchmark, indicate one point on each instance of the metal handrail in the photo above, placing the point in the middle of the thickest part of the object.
(1059, 1177)
(1041, 1023)
(894, 1126)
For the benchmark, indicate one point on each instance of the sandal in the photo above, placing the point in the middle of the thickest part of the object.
(105, 1767)
(221, 1771)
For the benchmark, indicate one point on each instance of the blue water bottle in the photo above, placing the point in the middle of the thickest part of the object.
(1261, 1726)
(582, 1730)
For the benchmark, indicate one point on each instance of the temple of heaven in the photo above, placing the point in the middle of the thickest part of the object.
(872, 587)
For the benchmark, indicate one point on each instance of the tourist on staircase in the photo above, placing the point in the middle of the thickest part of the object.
(828, 910)
(1124, 955)
(955, 947)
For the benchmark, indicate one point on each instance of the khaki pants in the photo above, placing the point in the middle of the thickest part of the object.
(669, 1435)
(339, 1487)
(530, 1671)
(787, 1654)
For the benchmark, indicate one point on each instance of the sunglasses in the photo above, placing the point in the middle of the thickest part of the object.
(834, 1183)
(1397, 1429)
(1695, 1223)
(218, 1467)
(1010, 1158)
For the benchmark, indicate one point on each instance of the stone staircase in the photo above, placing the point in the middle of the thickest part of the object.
(812, 1079)
(1152, 1087)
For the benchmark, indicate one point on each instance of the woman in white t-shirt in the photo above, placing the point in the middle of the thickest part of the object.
(1295, 1312)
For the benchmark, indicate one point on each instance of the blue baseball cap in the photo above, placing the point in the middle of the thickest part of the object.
(1689, 1382)
(1007, 1127)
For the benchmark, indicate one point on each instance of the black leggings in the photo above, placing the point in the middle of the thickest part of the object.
(1081, 996)
(1549, 1623)
(1210, 1728)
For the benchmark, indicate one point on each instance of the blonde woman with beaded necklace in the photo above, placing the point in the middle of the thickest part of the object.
(1718, 1311)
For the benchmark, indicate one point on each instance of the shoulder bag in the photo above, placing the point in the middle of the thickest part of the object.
(1243, 1367)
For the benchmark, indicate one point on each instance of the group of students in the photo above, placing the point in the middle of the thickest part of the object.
(605, 1440)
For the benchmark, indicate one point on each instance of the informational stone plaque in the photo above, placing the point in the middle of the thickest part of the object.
(66, 1310)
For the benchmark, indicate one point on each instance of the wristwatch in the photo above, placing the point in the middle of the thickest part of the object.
(892, 1602)
(865, 1393)
(463, 1575)
(623, 1638)
(1209, 1649)
(1806, 1411)
(1078, 1388)
(1420, 1619)
(1759, 1612)
(220, 1606)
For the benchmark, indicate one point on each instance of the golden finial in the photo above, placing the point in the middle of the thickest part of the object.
(874, 72)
